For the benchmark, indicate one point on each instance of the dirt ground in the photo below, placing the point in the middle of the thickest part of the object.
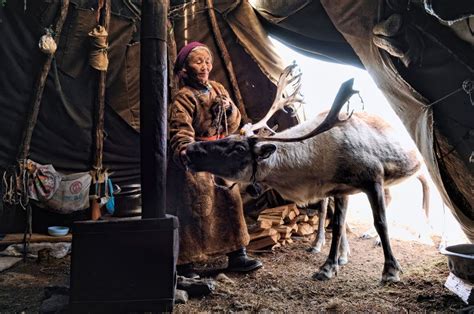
(284, 283)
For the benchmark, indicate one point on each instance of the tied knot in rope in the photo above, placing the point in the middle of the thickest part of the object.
(99, 178)
(98, 58)
(46, 44)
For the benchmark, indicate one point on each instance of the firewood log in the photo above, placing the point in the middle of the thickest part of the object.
(281, 211)
(304, 229)
(264, 242)
(263, 233)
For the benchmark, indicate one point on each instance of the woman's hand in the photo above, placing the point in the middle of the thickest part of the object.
(226, 103)
(184, 158)
(222, 102)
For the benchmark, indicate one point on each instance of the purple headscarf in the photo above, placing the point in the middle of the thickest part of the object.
(184, 53)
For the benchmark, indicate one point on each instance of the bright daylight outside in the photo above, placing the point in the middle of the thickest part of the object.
(406, 219)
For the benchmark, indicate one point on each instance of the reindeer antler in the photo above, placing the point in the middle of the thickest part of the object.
(287, 95)
(332, 119)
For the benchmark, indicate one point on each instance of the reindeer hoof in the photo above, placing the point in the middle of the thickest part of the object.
(326, 272)
(343, 260)
(391, 272)
(390, 278)
(321, 276)
(377, 242)
(313, 250)
(366, 236)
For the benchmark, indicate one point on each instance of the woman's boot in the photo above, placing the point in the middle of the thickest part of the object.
(240, 262)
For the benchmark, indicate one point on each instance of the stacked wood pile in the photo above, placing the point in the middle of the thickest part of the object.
(276, 226)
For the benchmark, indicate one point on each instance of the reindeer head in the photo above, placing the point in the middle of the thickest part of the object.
(232, 158)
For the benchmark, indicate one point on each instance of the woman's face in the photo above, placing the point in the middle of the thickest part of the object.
(199, 65)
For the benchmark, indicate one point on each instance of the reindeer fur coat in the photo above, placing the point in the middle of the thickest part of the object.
(211, 218)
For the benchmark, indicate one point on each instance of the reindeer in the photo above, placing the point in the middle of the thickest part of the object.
(356, 152)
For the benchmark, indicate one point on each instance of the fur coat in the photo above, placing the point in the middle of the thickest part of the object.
(211, 218)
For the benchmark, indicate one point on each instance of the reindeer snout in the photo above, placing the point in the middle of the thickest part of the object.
(194, 154)
(195, 149)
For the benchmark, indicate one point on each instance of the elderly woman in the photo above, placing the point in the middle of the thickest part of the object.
(209, 209)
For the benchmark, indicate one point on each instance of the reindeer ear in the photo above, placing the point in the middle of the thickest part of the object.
(264, 151)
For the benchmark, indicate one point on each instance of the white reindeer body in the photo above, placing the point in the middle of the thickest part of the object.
(339, 161)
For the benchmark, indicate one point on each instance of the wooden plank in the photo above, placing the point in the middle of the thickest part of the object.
(281, 211)
(14, 238)
(264, 224)
(294, 208)
(302, 218)
(291, 215)
(313, 220)
(304, 229)
(275, 220)
(263, 242)
(253, 228)
(284, 231)
(263, 233)
(293, 225)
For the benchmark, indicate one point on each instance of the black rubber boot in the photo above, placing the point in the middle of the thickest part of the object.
(187, 270)
(240, 262)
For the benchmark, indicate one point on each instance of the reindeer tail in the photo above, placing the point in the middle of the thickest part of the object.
(426, 194)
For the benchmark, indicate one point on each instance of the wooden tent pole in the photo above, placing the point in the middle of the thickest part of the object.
(172, 52)
(153, 107)
(30, 125)
(33, 114)
(99, 135)
(99, 132)
(227, 61)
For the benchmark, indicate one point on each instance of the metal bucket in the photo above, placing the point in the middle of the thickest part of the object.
(461, 260)
(128, 202)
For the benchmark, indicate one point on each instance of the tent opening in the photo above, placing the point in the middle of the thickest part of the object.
(406, 219)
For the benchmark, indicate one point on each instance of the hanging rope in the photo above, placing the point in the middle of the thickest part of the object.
(9, 186)
(467, 86)
(220, 116)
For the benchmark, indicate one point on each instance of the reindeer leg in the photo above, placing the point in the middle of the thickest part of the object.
(388, 200)
(391, 267)
(344, 249)
(320, 239)
(331, 266)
